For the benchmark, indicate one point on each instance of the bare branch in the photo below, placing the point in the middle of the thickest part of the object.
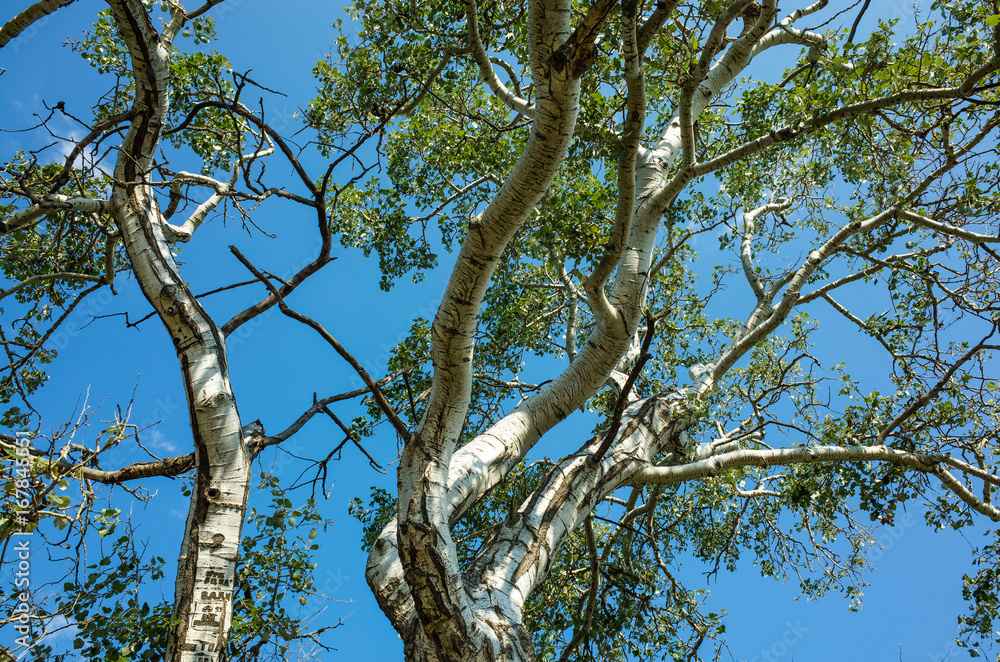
(204, 8)
(919, 402)
(623, 401)
(316, 408)
(55, 276)
(383, 404)
(857, 21)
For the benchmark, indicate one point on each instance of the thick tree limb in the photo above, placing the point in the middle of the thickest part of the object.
(482, 463)
(926, 463)
(171, 466)
(50, 203)
(29, 16)
(746, 245)
(701, 87)
(511, 100)
(653, 24)
(951, 230)
(202, 614)
(635, 113)
(566, 497)
(577, 53)
(428, 554)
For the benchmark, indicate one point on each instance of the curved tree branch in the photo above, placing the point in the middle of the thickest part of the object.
(28, 17)
(923, 462)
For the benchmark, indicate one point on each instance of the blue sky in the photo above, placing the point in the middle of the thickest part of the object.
(277, 366)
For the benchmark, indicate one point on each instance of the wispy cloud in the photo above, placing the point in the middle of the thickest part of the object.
(160, 442)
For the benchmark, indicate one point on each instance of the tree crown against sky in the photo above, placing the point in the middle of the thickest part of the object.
(699, 222)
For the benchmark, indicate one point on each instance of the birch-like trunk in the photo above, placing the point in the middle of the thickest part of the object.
(450, 626)
(207, 565)
(412, 568)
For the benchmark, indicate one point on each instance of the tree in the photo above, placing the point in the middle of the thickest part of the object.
(583, 186)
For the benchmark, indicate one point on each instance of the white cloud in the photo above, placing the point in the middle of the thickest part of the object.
(160, 442)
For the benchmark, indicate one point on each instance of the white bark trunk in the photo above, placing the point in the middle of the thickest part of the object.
(518, 556)
(481, 464)
(449, 629)
(207, 564)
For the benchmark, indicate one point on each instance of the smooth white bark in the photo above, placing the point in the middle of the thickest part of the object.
(449, 627)
(53, 202)
(439, 484)
(207, 563)
(927, 463)
(28, 17)
(459, 480)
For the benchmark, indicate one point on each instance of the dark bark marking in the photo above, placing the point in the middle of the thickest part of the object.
(200, 508)
(558, 498)
(578, 52)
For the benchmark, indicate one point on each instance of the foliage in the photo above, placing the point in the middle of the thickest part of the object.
(853, 195)
(115, 610)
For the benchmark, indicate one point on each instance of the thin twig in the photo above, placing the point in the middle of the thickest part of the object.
(616, 420)
(383, 404)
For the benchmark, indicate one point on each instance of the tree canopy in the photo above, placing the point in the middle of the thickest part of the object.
(752, 249)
